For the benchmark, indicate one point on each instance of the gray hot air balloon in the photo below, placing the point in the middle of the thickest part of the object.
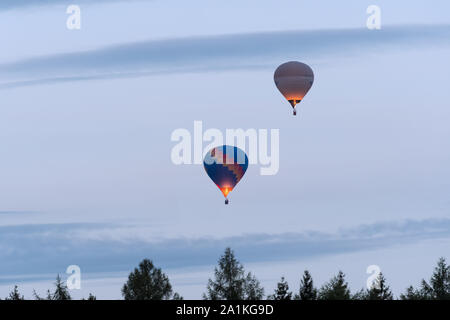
(294, 79)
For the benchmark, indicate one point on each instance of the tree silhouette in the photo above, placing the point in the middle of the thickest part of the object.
(176, 296)
(282, 291)
(252, 288)
(15, 295)
(91, 297)
(379, 290)
(335, 289)
(307, 290)
(230, 282)
(147, 283)
(437, 289)
(412, 294)
(61, 292)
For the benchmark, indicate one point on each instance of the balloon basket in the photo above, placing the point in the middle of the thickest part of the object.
(226, 201)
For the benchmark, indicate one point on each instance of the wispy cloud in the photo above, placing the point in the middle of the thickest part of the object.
(26, 249)
(17, 4)
(215, 53)
(17, 212)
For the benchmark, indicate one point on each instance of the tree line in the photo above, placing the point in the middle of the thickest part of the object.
(232, 282)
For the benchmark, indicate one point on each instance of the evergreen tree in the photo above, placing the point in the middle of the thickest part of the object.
(37, 297)
(61, 292)
(252, 288)
(91, 297)
(230, 282)
(378, 291)
(307, 290)
(147, 283)
(282, 291)
(15, 295)
(176, 296)
(412, 294)
(437, 289)
(335, 289)
(360, 295)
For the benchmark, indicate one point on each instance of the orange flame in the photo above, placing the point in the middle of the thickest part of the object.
(226, 190)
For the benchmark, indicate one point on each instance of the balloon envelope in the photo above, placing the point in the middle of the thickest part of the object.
(225, 165)
(294, 79)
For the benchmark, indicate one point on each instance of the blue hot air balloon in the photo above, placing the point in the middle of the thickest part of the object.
(225, 165)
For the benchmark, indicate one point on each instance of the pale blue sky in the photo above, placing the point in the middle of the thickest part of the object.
(86, 119)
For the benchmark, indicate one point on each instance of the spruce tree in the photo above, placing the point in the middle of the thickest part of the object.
(230, 281)
(307, 290)
(61, 292)
(379, 290)
(335, 289)
(15, 295)
(437, 289)
(177, 296)
(412, 294)
(282, 291)
(147, 283)
(91, 297)
(252, 288)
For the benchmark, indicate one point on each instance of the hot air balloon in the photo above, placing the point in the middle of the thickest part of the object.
(293, 79)
(225, 165)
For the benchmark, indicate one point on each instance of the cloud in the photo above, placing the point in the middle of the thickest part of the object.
(34, 249)
(17, 212)
(216, 53)
(116, 75)
(18, 4)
